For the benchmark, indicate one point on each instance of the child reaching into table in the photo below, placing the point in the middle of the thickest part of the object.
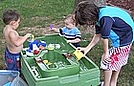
(70, 31)
(14, 42)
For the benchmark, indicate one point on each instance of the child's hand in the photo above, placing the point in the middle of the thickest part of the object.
(28, 35)
(52, 29)
(82, 49)
(105, 58)
(51, 26)
(68, 41)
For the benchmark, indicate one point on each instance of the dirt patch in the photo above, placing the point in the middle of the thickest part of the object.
(126, 4)
(39, 31)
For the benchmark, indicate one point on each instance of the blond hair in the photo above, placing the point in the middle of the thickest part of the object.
(70, 18)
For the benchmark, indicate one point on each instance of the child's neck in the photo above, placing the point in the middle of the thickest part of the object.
(10, 26)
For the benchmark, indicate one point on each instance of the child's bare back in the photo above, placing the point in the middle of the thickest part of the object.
(14, 42)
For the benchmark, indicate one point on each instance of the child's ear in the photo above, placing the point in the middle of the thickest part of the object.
(12, 22)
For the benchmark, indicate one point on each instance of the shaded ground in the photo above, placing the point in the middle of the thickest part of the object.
(125, 4)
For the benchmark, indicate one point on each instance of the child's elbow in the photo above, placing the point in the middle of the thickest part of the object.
(17, 44)
(78, 39)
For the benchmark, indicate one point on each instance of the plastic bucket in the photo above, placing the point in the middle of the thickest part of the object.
(11, 78)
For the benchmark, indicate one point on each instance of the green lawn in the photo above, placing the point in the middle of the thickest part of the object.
(34, 13)
(44, 12)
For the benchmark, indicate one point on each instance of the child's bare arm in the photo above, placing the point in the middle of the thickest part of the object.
(18, 40)
(55, 29)
(74, 41)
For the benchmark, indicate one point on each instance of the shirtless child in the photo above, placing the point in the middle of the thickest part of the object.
(14, 42)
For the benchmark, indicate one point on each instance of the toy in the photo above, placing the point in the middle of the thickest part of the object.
(50, 47)
(35, 46)
(78, 54)
(51, 26)
(31, 38)
(42, 45)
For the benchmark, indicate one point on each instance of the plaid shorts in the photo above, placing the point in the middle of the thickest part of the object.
(119, 57)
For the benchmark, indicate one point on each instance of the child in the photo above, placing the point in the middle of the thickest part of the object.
(14, 42)
(70, 31)
(111, 23)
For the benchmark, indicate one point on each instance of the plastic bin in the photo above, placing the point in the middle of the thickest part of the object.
(7, 75)
(71, 73)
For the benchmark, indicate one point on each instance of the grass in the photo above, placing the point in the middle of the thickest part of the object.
(30, 10)
(34, 13)
(44, 12)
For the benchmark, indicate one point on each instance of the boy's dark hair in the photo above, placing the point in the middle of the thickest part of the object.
(86, 12)
(10, 15)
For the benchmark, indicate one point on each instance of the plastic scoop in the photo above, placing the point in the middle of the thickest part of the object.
(78, 54)
(31, 37)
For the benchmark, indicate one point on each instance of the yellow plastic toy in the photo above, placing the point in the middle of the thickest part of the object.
(31, 37)
(78, 54)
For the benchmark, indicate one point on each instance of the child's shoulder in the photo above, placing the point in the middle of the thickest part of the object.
(75, 28)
